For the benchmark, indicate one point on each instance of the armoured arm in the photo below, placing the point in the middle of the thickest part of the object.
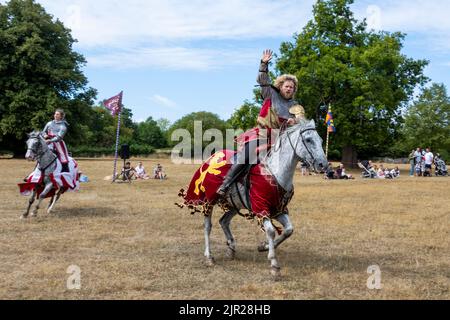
(264, 81)
(45, 131)
(263, 75)
(61, 133)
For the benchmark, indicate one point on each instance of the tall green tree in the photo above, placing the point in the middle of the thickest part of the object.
(101, 128)
(164, 125)
(208, 121)
(427, 122)
(361, 73)
(39, 72)
(149, 133)
(245, 117)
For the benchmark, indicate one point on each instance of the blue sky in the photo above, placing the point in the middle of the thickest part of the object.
(175, 57)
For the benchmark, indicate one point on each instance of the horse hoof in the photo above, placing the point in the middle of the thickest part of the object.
(210, 262)
(33, 215)
(275, 272)
(263, 247)
(231, 254)
(23, 217)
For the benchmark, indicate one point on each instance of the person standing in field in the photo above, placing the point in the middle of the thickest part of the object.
(429, 158)
(412, 163)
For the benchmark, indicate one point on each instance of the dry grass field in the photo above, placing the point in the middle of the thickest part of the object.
(132, 242)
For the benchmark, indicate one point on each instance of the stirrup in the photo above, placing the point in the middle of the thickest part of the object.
(222, 191)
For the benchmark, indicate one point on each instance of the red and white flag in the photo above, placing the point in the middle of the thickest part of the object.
(114, 104)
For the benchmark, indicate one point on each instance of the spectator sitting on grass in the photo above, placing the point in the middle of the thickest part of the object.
(140, 172)
(330, 173)
(159, 172)
(341, 174)
(395, 172)
(128, 172)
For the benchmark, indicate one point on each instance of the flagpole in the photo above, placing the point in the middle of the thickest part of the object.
(328, 140)
(116, 155)
(328, 134)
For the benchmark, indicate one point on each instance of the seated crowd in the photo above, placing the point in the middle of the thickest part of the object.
(337, 173)
(139, 173)
(378, 172)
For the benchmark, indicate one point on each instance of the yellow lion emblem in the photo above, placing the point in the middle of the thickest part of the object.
(214, 164)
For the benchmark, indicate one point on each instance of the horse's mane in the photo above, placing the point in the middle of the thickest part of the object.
(302, 123)
(35, 134)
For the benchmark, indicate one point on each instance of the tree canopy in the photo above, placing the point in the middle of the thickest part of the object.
(427, 121)
(39, 72)
(208, 121)
(361, 73)
(245, 117)
(150, 133)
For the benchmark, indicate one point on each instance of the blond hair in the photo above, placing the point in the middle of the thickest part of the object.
(286, 77)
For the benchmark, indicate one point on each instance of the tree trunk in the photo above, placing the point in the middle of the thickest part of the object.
(350, 157)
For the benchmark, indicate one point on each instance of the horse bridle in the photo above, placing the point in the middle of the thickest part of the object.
(35, 151)
(304, 143)
(38, 155)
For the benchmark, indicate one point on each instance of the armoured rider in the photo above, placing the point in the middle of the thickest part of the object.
(54, 133)
(276, 113)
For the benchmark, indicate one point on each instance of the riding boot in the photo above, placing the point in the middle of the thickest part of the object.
(233, 174)
(65, 167)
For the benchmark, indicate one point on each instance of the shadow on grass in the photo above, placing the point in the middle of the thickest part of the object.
(69, 213)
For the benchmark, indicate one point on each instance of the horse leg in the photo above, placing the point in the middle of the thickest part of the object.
(47, 189)
(30, 203)
(288, 230)
(225, 224)
(208, 228)
(270, 232)
(53, 202)
(50, 203)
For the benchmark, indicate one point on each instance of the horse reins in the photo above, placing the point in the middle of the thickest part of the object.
(39, 154)
(304, 143)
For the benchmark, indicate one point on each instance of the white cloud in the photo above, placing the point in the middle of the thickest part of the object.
(163, 33)
(166, 102)
(175, 58)
(117, 23)
(428, 19)
(415, 15)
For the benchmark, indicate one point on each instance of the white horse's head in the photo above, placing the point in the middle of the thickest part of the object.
(36, 146)
(307, 144)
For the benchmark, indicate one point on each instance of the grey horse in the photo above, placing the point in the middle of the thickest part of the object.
(38, 150)
(299, 142)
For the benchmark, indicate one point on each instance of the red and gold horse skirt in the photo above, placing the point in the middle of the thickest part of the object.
(266, 196)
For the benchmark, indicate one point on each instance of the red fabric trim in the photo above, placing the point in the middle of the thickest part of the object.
(52, 179)
(61, 149)
(265, 108)
(264, 193)
(65, 184)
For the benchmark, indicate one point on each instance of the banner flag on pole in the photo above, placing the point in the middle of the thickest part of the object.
(114, 104)
(330, 121)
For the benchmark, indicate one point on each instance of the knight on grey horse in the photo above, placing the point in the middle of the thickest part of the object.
(48, 176)
(300, 142)
(271, 178)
